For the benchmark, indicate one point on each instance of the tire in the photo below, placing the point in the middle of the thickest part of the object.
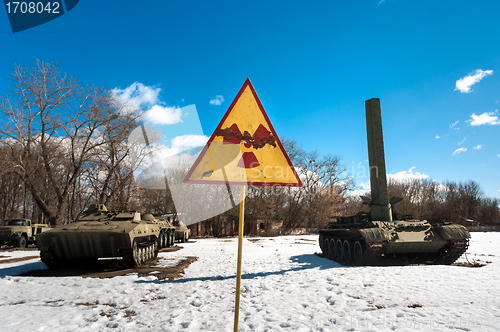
(22, 242)
(183, 237)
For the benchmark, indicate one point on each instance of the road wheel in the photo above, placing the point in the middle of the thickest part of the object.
(22, 242)
(161, 239)
(170, 242)
(359, 252)
(346, 248)
(142, 254)
(339, 252)
(136, 253)
(155, 250)
(325, 246)
(331, 249)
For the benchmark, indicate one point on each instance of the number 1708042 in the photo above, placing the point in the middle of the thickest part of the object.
(32, 7)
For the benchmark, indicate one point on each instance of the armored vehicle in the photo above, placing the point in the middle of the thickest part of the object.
(167, 232)
(20, 232)
(99, 233)
(374, 238)
(182, 232)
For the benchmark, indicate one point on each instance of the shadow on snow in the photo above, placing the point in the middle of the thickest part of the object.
(306, 261)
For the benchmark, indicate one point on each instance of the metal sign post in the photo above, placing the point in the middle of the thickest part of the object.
(244, 150)
(240, 254)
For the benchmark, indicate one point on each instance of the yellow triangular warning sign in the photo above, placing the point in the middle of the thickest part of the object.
(244, 149)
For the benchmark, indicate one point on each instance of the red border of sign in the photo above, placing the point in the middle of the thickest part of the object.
(198, 160)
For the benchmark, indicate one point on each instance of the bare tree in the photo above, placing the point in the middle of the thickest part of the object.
(53, 130)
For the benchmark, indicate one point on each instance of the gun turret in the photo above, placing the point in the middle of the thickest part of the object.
(380, 207)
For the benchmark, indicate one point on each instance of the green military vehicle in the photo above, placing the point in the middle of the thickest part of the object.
(374, 238)
(20, 232)
(182, 232)
(167, 232)
(99, 233)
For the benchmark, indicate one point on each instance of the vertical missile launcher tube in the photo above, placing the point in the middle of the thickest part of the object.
(380, 207)
(374, 238)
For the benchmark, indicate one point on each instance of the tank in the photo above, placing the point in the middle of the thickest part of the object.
(99, 233)
(374, 238)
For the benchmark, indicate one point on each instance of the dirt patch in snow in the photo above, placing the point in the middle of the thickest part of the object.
(109, 268)
(31, 247)
(18, 259)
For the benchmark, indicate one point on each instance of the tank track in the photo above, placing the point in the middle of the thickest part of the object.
(141, 253)
(374, 254)
(453, 252)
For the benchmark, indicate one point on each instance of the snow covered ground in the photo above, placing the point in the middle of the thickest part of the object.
(285, 287)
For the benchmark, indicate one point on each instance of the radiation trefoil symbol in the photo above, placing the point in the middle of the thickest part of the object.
(260, 138)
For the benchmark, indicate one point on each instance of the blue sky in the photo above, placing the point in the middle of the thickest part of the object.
(312, 63)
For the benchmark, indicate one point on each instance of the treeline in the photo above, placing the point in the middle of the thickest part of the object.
(64, 146)
(459, 202)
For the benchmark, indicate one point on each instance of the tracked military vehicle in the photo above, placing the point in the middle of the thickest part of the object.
(167, 232)
(182, 232)
(374, 238)
(99, 233)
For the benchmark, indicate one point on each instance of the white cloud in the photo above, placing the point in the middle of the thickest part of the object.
(454, 124)
(479, 147)
(163, 115)
(485, 118)
(358, 192)
(137, 94)
(457, 151)
(407, 175)
(438, 137)
(462, 141)
(186, 142)
(464, 84)
(217, 101)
